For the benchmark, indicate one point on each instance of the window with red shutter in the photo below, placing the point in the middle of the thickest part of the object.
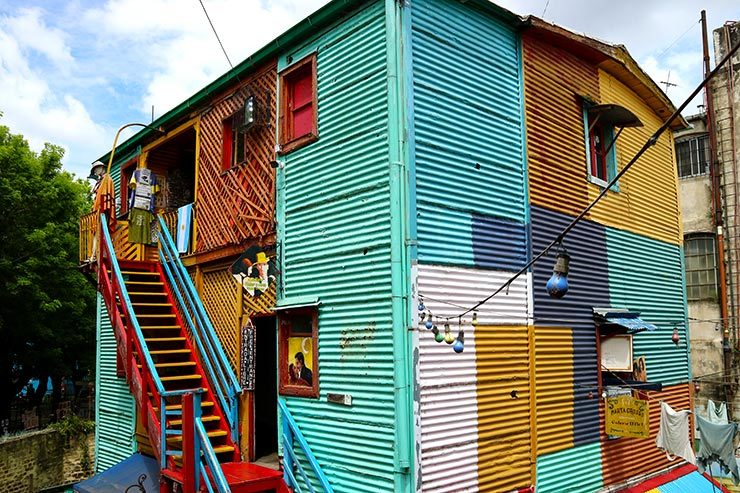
(298, 115)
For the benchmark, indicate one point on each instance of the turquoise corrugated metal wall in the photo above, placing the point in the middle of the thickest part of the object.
(470, 179)
(114, 405)
(334, 202)
(646, 275)
(575, 470)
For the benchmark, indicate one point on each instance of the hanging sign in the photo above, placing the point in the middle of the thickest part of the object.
(247, 371)
(627, 417)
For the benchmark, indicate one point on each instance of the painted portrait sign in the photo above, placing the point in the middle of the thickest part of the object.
(300, 361)
(255, 270)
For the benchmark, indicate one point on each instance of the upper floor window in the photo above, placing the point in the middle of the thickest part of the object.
(298, 105)
(600, 150)
(693, 156)
(235, 150)
(701, 267)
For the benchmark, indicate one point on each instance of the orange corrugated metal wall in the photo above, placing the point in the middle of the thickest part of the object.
(624, 458)
(503, 391)
(553, 81)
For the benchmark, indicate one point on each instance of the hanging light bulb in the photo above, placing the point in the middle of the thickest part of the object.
(438, 336)
(421, 306)
(675, 337)
(449, 338)
(429, 323)
(459, 345)
(557, 285)
(474, 322)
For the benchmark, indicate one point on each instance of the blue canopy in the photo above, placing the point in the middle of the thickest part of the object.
(137, 470)
(625, 321)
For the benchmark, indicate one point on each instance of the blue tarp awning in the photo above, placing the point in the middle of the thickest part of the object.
(624, 321)
(136, 470)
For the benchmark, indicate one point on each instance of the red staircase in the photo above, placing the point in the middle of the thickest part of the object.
(189, 417)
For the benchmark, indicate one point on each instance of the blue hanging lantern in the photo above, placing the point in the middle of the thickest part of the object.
(421, 306)
(429, 323)
(557, 285)
(459, 345)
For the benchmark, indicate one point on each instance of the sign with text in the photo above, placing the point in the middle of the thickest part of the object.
(627, 417)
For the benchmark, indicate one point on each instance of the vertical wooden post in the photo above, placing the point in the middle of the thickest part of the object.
(188, 444)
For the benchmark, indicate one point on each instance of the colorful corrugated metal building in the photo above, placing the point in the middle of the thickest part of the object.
(422, 153)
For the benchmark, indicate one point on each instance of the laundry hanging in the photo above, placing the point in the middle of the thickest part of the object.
(673, 435)
(718, 445)
(717, 413)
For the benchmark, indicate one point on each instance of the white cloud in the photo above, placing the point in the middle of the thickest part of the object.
(30, 32)
(31, 108)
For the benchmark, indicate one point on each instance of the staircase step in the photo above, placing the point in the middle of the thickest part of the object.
(159, 327)
(172, 365)
(205, 419)
(151, 304)
(155, 315)
(170, 351)
(181, 377)
(146, 293)
(139, 273)
(164, 339)
(222, 449)
(211, 434)
(178, 407)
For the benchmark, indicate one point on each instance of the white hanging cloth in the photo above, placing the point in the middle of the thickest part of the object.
(717, 413)
(674, 436)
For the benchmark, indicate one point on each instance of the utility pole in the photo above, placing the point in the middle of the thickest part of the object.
(718, 219)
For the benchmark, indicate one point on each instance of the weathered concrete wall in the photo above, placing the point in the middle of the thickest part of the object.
(696, 206)
(41, 459)
(706, 350)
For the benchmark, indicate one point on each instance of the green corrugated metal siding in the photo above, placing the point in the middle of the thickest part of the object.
(575, 470)
(646, 275)
(336, 245)
(468, 129)
(114, 404)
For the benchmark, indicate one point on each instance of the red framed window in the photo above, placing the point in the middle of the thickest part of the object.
(298, 352)
(597, 149)
(234, 144)
(298, 104)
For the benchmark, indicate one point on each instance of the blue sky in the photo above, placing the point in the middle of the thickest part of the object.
(72, 72)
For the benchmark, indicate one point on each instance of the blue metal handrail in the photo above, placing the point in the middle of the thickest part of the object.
(292, 434)
(126, 300)
(219, 370)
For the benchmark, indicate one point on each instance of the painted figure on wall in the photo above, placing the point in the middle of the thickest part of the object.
(300, 364)
(254, 270)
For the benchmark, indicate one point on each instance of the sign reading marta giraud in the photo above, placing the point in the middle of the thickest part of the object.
(627, 417)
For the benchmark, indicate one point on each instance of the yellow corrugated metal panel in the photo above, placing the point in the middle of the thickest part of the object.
(727, 483)
(647, 201)
(503, 392)
(221, 296)
(625, 458)
(553, 81)
(554, 388)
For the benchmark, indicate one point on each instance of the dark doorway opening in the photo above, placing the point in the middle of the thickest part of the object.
(265, 390)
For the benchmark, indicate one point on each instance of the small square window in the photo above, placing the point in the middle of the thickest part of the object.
(298, 352)
(235, 148)
(298, 107)
(601, 157)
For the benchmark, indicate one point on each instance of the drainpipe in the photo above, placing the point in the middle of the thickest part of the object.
(400, 259)
(717, 215)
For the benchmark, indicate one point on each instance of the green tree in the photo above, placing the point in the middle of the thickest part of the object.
(47, 307)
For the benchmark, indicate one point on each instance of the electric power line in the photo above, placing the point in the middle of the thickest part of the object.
(216, 34)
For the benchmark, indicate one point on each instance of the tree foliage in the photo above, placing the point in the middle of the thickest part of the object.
(47, 310)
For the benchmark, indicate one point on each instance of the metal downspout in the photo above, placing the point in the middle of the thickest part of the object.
(400, 267)
(717, 215)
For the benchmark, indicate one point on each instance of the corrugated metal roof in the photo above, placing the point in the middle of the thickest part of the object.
(336, 246)
(115, 413)
(470, 181)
